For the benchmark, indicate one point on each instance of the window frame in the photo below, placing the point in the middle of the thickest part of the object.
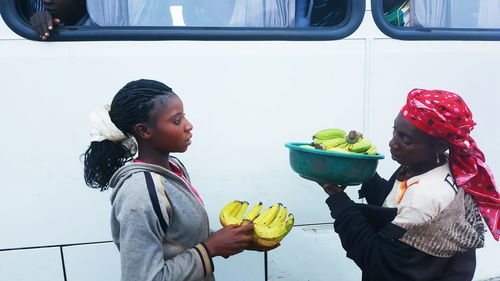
(429, 33)
(16, 22)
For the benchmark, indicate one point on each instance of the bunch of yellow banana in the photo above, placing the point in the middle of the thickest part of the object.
(338, 140)
(270, 227)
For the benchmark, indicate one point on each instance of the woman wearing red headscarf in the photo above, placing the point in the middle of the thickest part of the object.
(424, 223)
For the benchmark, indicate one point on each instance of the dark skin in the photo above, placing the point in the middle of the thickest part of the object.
(56, 12)
(170, 131)
(416, 151)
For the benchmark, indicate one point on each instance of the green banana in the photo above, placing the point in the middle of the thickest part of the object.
(317, 142)
(327, 144)
(330, 134)
(337, 140)
(338, 149)
(343, 146)
(361, 145)
(372, 150)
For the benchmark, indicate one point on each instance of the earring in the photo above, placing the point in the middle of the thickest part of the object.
(437, 158)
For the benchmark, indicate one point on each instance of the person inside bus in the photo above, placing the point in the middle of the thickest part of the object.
(158, 219)
(44, 15)
(388, 5)
(324, 13)
(234, 13)
(244, 13)
(424, 223)
(269, 13)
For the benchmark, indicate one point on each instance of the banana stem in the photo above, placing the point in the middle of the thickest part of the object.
(353, 137)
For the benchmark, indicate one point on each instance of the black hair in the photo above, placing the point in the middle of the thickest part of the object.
(131, 105)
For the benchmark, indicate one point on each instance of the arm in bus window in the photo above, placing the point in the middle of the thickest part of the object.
(43, 23)
(302, 16)
(55, 12)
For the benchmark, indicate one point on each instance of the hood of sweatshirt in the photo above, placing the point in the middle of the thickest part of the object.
(125, 172)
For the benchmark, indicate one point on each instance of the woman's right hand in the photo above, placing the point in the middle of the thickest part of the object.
(230, 240)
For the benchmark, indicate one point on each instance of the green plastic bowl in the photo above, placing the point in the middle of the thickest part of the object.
(332, 167)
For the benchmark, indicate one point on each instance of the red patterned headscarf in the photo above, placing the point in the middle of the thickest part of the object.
(443, 114)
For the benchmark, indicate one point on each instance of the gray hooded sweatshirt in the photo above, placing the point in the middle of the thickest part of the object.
(159, 225)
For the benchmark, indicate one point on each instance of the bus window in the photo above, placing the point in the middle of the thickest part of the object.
(219, 13)
(438, 19)
(195, 20)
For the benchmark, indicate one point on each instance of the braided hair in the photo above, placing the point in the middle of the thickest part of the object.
(131, 105)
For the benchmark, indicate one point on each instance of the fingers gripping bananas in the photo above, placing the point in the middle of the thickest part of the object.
(270, 227)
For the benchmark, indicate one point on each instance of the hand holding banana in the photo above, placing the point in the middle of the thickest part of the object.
(270, 226)
(338, 140)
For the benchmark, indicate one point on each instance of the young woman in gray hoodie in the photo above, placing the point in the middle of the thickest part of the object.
(158, 219)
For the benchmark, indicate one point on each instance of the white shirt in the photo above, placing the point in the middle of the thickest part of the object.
(425, 197)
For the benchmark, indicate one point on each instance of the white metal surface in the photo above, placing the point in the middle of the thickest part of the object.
(97, 262)
(29, 265)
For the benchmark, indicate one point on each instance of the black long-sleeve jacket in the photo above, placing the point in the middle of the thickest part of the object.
(371, 240)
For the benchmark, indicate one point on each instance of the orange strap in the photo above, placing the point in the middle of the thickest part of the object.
(403, 187)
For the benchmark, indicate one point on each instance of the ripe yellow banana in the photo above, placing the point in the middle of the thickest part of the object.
(225, 215)
(236, 209)
(254, 212)
(272, 214)
(242, 210)
(261, 216)
(280, 217)
(270, 227)
(329, 134)
(270, 236)
(307, 146)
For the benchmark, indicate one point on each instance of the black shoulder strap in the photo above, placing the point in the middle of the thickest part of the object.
(156, 207)
(154, 200)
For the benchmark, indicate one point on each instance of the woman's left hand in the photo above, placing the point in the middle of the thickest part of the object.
(331, 189)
